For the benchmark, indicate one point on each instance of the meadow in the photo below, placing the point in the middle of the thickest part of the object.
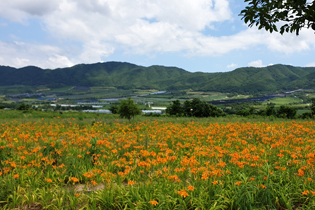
(66, 163)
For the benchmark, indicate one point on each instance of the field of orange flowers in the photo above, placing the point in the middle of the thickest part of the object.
(156, 164)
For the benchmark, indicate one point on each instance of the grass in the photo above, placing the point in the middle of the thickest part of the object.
(285, 100)
(301, 111)
(32, 100)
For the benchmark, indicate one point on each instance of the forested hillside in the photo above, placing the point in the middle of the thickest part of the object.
(126, 76)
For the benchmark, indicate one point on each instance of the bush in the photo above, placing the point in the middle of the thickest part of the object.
(114, 109)
(24, 107)
(286, 112)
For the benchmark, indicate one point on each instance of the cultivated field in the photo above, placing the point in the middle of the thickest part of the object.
(60, 164)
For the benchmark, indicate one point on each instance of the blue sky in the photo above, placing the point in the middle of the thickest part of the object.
(199, 35)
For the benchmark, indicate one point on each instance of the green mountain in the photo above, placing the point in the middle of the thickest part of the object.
(126, 76)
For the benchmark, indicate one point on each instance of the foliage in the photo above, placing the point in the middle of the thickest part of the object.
(270, 110)
(266, 14)
(246, 112)
(194, 108)
(286, 112)
(24, 106)
(128, 109)
(152, 115)
(175, 108)
(77, 108)
(238, 108)
(313, 107)
(114, 109)
(230, 95)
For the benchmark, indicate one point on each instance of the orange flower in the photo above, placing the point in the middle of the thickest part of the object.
(205, 177)
(305, 192)
(238, 183)
(16, 176)
(48, 180)
(191, 188)
(74, 179)
(94, 182)
(310, 179)
(301, 172)
(183, 193)
(263, 186)
(214, 182)
(153, 202)
(131, 182)
(77, 194)
(280, 155)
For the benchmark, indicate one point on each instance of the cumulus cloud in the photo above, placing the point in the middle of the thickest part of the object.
(232, 65)
(94, 51)
(127, 24)
(142, 27)
(19, 54)
(20, 10)
(257, 63)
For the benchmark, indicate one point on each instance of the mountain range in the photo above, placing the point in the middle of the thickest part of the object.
(247, 80)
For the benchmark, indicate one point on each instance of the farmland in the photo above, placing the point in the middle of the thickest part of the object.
(64, 163)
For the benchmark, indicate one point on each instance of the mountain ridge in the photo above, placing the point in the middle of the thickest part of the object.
(247, 80)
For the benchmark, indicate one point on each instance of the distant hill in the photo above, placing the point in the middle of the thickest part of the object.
(248, 80)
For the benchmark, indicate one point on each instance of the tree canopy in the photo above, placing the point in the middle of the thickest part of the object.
(292, 14)
(128, 109)
(195, 108)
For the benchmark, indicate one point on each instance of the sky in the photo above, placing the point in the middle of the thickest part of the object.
(198, 35)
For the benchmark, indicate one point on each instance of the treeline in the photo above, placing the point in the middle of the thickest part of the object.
(77, 108)
(194, 108)
(29, 107)
(282, 112)
(198, 108)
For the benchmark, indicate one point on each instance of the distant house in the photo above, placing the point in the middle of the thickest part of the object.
(159, 108)
(151, 112)
(97, 107)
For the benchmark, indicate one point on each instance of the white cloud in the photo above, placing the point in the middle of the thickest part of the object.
(126, 24)
(257, 63)
(142, 27)
(94, 51)
(20, 10)
(232, 65)
(19, 54)
(310, 64)
(290, 43)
